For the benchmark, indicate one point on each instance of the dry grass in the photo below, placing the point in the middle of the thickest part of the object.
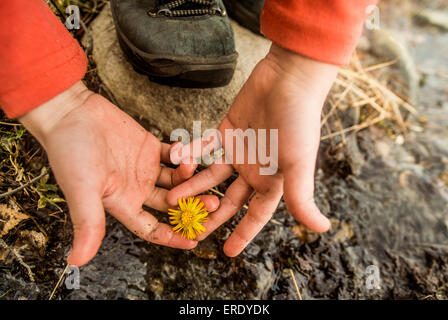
(89, 8)
(374, 101)
(24, 174)
(299, 296)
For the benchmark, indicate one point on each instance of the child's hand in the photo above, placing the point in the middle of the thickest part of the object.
(103, 159)
(286, 92)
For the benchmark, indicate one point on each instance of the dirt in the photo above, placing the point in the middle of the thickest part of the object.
(390, 211)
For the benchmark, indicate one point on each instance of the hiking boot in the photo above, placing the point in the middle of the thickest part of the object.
(246, 13)
(184, 43)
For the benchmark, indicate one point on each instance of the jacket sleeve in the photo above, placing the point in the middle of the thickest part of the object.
(38, 58)
(325, 30)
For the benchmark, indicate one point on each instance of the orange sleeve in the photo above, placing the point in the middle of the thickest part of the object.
(38, 57)
(325, 30)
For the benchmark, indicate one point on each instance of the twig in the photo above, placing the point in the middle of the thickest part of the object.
(336, 105)
(355, 128)
(217, 192)
(6, 194)
(222, 195)
(379, 66)
(10, 124)
(59, 281)
(19, 258)
(6, 292)
(434, 245)
(295, 284)
(373, 82)
(363, 95)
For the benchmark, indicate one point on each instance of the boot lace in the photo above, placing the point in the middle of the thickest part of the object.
(171, 9)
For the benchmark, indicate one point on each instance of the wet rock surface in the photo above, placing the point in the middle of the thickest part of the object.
(391, 213)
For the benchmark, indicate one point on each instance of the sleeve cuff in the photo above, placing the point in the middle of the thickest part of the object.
(327, 31)
(36, 90)
(39, 58)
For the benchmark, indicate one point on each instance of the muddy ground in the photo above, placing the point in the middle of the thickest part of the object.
(390, 212)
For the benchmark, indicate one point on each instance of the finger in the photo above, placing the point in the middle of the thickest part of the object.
(202, 181)
(170, 177)
(88, 218)
(157, 201)
(165, 152)
(261, 209)
(299, 198)
(236, 196)
(192, 152)
(146, 226)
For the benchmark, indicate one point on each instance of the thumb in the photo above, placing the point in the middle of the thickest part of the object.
(299, 198)
(89, 224)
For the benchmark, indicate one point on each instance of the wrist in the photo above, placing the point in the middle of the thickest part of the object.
(43, 119)
(318, 75)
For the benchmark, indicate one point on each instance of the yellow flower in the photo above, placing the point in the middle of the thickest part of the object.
(189, 217)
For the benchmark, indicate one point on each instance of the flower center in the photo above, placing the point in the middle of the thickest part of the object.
(187, 217)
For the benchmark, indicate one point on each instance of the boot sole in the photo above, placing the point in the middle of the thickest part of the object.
(186, 72)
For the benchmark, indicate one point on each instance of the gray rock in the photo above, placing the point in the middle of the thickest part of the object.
(115, 272)
(386, 45)
(15, 288)
(435, 18)
(166, 107)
